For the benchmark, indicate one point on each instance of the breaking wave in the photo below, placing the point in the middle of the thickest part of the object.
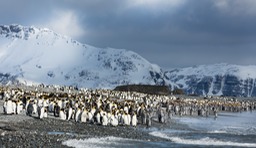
(203, 141)
(98, 142)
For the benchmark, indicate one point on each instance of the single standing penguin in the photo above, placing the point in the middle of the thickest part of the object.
(40, 112)
(51, 106)
(14, 107)
(4, 107)
(104, 119)
(19, 107)
(90, 117)
(69, 113)
(125, 119)
(98, 117)
(45, 113)
(30, 108)
(143, 116)
(84, 116)
(34, 108)
(9, 108)
(56, 110)
(134, 120)
(113, 120)
(78, 115)
(148, 119)
(215, 113)
(161, 116)
(62, 114)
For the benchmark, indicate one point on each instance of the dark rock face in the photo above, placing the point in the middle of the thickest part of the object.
(158, 78)
(17, 31)
(199, 86)
(7, 79)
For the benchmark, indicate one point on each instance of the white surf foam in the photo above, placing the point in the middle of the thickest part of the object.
(98, 142)
(203, 141)
(231, 123)
(218, 132)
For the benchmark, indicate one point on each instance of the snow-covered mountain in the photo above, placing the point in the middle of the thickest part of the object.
(37, 55)
(217, 79)
(33, 55)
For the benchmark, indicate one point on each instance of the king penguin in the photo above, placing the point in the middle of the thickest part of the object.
(19, 107)
(45, 113)
(9, 107)
(62, 114)
(97, 116)
(78, 115)
(113, 120)
(40, 112)
(30, 108)
(104, 119)
(14, 107)
(84, 116)
(134, 120)
(125, 119)
(69, 113)
(148, 120)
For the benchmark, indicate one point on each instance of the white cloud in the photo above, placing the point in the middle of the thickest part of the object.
(236, 7)
(222, 4)
(65, 23)
(156, 4)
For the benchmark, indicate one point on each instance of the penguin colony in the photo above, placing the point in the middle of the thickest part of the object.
(114, 108)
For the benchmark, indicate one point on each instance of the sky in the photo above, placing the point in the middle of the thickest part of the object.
(169, 33)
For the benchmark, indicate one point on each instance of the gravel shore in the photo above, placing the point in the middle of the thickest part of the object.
(24, 131)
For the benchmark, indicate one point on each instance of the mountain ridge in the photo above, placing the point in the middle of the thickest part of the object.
(34, 55)
(47, 57)
(216, 79)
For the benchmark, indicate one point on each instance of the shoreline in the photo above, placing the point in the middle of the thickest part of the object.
(20, 130)
(24, 131)
(48, 132)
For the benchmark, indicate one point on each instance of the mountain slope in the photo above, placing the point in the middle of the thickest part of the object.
(217, 79)
(33, 55)
(36, 55)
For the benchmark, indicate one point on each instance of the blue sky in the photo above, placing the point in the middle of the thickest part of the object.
(170, 33)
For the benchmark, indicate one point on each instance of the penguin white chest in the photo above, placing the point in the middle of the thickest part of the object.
(98, 118)
(104, 120)
(78, 115)
(114, 121)
(62, 115)
(126, 120)
(9, 107)
(41, 112)
(84, 116)
(134, 120)
(70, 111)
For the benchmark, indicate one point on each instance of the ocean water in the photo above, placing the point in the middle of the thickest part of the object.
(228, 130)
